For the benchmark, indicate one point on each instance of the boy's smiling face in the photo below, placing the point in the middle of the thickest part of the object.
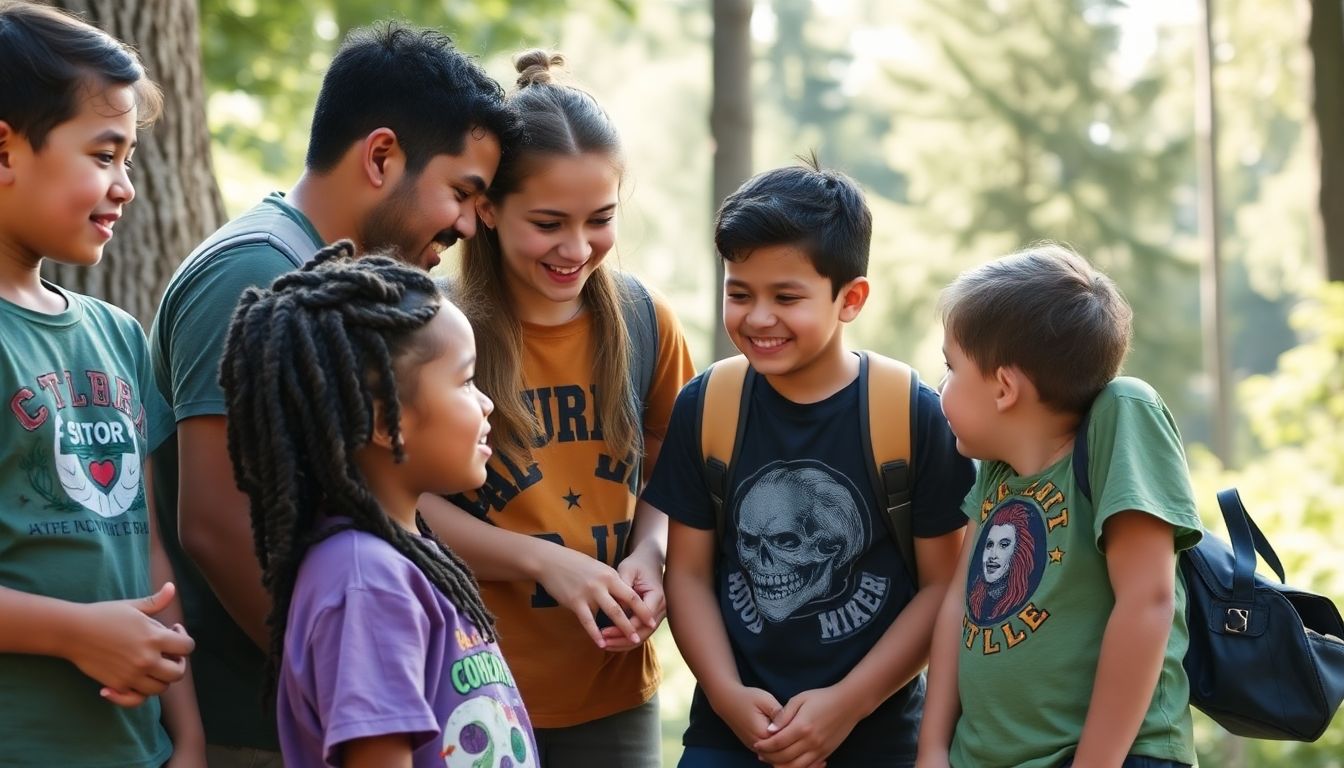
(63, 200)
(781, 312)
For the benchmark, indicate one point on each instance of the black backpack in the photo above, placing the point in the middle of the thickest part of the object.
(1265, 660)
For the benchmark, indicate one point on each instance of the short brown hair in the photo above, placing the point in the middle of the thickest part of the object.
(1048, 312)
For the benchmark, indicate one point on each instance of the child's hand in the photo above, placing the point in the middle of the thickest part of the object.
(747, 711)
(808, 728)
(586, 586)
(119, 644)
(645, 577)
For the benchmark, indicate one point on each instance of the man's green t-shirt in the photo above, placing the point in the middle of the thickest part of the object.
(1038, 595)
(186, 344)
(82, 414)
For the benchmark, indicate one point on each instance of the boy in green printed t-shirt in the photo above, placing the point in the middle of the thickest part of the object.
(1061, 641)
(84, 659)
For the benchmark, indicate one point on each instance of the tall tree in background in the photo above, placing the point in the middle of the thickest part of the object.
(1018, 129)
(1326, 41)
(808, 64)
(177, 202)
(1211, 283)
(730, 123)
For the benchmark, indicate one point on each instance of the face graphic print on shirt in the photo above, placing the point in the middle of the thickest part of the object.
(1009, 558)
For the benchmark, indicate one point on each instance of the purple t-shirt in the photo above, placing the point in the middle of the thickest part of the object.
(374, 648)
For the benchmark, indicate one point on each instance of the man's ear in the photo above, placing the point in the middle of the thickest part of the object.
(853, 295)
(381, 157)
(486, 211)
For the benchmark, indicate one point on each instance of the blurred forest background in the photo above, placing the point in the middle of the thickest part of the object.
(975, 126)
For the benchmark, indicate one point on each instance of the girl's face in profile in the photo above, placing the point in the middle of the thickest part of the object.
(554, 232)
(443, 421)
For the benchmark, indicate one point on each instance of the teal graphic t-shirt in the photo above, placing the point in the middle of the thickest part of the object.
(81, 416)
(1038, 595)
(186, 344)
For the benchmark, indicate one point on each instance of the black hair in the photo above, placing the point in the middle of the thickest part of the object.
(820, 211)
(47, 57)
(306, 365)
(411, 80)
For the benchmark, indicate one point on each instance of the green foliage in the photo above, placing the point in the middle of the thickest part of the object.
(264, 60)
(1293, 486)
(1017, 125)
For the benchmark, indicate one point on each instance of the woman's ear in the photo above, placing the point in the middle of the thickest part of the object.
(485, 210)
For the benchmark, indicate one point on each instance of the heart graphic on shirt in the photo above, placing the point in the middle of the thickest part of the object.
(102, 472)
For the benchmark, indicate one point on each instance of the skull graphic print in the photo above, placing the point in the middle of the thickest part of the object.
(799, 530)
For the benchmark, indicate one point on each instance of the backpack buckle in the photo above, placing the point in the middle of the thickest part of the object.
(1237, 621)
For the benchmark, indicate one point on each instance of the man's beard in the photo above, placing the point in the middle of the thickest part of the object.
(388, 227)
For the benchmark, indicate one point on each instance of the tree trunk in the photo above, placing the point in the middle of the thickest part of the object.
(176, 200)
(1326, 41)
(1211, 303)
(730, 125)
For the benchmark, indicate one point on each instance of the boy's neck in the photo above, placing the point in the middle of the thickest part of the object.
(826, 374)
(1039, 440)
(21, 281)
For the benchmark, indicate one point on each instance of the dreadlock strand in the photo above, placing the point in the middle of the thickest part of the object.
(463, 579)
(306, 365)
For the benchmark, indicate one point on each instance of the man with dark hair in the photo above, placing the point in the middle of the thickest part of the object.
(406, 134)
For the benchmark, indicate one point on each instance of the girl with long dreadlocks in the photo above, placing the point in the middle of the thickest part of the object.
(350, 392)
(555, 533)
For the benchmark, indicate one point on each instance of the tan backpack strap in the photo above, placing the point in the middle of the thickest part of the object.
(889, 399)
(892, 387)
(720, 408)
(720, 424)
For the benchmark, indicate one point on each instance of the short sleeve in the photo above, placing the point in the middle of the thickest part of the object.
(673, 369)
(677, 486)
(158, 416)
(368, 658)
(134, 347)
(943, 477)
(1136, 462)
(198, 324)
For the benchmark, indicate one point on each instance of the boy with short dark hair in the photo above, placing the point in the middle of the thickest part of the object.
(1061, 638)
(801, 624)
(406, 135)
(83, 577)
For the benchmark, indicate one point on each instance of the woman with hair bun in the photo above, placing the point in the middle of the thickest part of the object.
(569, 563)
